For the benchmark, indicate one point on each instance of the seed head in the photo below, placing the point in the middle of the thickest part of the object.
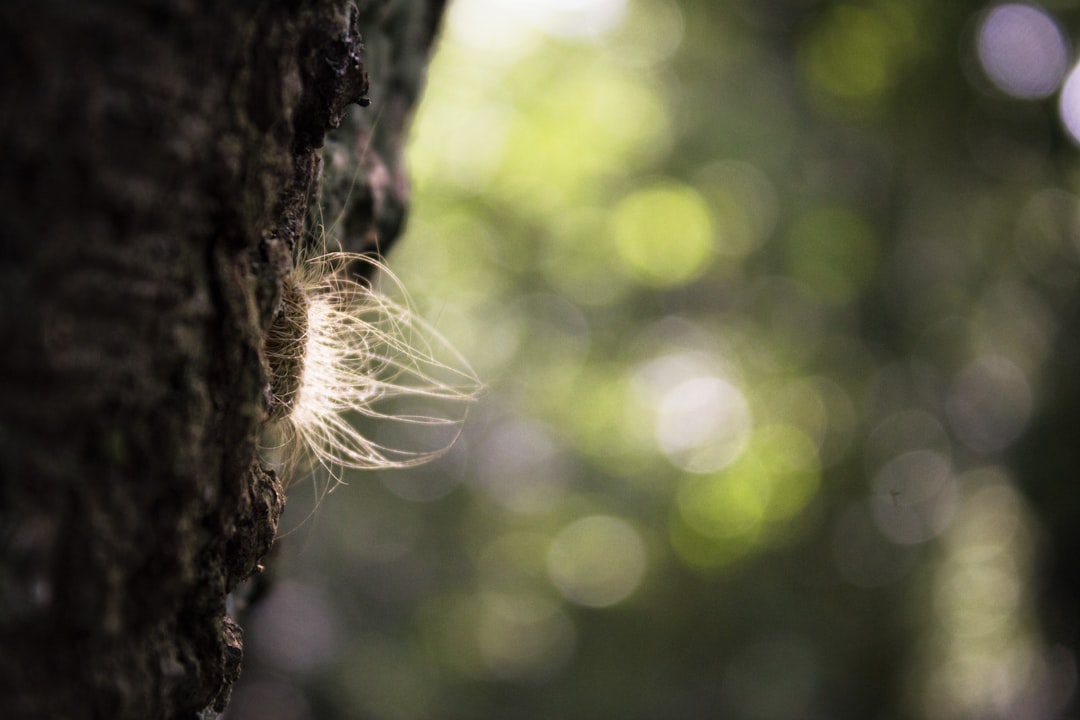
(338, 350)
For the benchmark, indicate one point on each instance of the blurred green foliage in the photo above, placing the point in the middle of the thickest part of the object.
(765, 295)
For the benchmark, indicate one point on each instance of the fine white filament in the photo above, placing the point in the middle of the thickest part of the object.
(361, 349)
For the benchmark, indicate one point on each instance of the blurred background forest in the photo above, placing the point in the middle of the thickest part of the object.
(776, 303)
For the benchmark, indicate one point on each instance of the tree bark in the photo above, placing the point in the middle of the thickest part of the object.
(160, 159)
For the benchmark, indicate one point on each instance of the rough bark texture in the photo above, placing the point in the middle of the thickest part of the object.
(160, 159)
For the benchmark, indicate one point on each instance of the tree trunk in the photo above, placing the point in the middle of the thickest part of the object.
(159, 161)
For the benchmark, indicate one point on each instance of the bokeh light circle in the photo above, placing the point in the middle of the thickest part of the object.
(597, 561)
(770, 483)
(990, 404)
(1069, 103)
(1022, 50)
(663, 234)
(703, 424)
(522, 637)
(915, 498)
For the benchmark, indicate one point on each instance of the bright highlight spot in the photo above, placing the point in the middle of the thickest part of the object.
(1069, 103)
(597, 561)
(572, 18)
(663, 234)
(1022, 50)
(703, 424)
(506, 25)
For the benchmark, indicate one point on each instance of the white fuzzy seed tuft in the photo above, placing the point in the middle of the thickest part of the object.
(340, 347)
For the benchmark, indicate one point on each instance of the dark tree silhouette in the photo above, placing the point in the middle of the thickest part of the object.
(160, 158)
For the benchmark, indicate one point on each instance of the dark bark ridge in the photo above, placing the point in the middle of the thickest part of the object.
(161, 159)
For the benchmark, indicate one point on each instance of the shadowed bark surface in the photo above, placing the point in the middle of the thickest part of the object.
(160, 161)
